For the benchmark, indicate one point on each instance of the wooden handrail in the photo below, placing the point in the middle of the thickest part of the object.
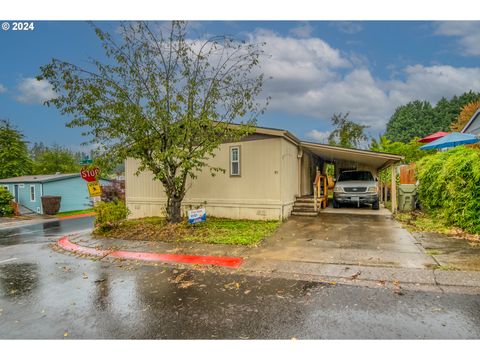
(317, 193)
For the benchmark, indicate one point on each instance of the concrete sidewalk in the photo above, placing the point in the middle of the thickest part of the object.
(395, 277)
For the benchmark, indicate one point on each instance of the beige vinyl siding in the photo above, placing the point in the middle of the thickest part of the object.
(289, 178)
(255, 194)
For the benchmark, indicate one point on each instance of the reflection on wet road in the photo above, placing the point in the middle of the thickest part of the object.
(43, 232)
(45, 294)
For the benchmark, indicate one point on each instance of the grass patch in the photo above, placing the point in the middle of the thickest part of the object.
(75, 212)
(213, 231)
(433, 252)
(444, 267)
(418, 221)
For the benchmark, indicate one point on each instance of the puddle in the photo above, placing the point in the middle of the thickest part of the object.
(18, 279)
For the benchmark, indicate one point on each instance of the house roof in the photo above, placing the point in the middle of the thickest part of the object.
(38, 178)
(475, 116)
(332, 153)
(278, 132)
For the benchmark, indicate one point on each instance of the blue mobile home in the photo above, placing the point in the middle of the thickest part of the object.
(28, 190)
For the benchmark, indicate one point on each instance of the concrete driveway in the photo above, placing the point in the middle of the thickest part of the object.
(341, 237)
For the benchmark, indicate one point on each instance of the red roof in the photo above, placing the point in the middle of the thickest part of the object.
(433, 137)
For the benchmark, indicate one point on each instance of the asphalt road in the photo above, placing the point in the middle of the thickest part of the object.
(49, 295)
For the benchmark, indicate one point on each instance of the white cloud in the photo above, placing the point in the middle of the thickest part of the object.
(468, 33)
(313, 79)
(33, 91)
(318, 136)
(348, 27)
(2, 89)
(302, 31)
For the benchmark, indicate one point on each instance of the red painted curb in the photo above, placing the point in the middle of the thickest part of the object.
(225, 261)
(76, 216)
(65, 244)
(189, 259)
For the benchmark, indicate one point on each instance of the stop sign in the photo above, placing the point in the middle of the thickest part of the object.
(89, 175)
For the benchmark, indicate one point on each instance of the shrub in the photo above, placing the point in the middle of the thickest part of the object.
(5, 202)
(110, 214)
(115, 191)
(449, 186)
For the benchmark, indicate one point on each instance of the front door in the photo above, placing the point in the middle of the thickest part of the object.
(15, 188)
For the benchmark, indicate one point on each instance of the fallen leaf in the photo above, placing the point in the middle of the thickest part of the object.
(65, 334)
(185, 284)
(356, 275)
(85, 275)
(246, 292)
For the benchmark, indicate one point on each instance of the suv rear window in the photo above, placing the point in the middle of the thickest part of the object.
(356, 175)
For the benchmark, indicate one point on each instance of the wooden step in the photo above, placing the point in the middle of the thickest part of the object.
(303, 208)
(304, 213)
(304, 201)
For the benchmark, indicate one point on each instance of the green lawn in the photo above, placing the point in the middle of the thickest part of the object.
(213, 231)
(75, 212)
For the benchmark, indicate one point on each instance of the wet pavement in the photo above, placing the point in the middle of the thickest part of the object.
(451, 252)
(50, 295)
(345, 238)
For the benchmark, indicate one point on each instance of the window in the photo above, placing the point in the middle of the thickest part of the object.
(32, 192)
(5, 187)
(235, 161)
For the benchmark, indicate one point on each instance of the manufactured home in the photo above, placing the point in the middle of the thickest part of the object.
(266, 173)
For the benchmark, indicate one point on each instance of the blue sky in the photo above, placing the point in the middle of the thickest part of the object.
(318, 68)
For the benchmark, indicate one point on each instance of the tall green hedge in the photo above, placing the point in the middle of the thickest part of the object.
(449, 186)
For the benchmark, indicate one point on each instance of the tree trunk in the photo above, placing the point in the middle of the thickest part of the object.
(174, 214)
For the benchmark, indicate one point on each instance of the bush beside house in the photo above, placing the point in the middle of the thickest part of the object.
(449, 186)
(109, 215)
(5, 202)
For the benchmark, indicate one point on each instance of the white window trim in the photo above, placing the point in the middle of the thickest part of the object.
(6, 187)
(34, 193)
(237, 147)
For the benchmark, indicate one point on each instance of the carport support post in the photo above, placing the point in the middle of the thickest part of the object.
(393, 194)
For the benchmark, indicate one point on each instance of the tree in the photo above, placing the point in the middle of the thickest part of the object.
(55, 159)
(411, 150)
(465, 115)
(14, 157)
(162, 98)
(347, 133)
(419, 118)
(415, 119)
(447, 111)
(36, 150)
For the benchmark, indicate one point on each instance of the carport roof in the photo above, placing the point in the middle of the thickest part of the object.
(372, 158)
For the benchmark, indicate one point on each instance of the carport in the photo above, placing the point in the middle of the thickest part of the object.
(354, 159)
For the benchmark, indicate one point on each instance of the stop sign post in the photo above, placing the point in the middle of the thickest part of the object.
(90, 176)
